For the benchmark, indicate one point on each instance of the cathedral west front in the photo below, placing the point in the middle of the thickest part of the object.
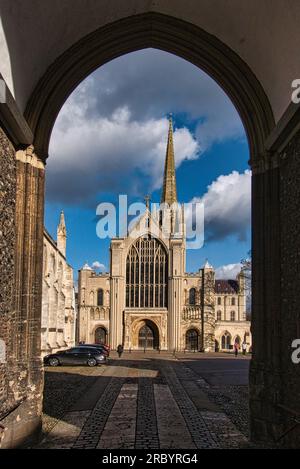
(148, 300)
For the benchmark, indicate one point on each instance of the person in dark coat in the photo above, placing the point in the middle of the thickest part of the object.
(120, 350)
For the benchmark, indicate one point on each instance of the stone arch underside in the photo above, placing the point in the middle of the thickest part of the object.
(161, 32)
(136, 331)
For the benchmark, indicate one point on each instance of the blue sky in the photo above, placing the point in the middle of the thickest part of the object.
(110, 138)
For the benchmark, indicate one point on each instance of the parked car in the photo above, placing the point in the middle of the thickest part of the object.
(104, 348)
(90, 356)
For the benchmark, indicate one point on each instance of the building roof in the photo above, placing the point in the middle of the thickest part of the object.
(226, 286)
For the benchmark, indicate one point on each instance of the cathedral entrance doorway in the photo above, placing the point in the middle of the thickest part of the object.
(148, 336)
(192, 339)
(100, 335)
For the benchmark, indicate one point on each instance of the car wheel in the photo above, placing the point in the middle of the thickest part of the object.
(91, 362)
(53, 362)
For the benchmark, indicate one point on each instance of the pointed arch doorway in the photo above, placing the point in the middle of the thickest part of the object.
(148, 337)
(100, 335)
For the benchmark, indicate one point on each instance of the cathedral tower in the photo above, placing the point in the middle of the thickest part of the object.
(173, 217)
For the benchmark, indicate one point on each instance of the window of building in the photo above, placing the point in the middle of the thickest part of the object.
(232, 301)
(232, 316)
(100, 297)
(226, 341)
(219, 315)
(219, 300)
(147, 274)
(192, 296)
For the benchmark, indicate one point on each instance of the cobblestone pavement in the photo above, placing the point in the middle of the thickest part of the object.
(147, 401)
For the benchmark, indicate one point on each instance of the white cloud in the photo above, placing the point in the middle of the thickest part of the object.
(228, 271)
(101, 154)
(111, 130)
(99, 266)
(227, 206)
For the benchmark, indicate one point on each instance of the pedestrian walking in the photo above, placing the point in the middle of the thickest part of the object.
(244, 347)
(120, 350)
(236, 348)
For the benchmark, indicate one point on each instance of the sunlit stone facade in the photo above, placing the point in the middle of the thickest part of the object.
(148, 300)
(58, 299)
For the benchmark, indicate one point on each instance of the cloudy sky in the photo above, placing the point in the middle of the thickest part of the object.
(110, 139)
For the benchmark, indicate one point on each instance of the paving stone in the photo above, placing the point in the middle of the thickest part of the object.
(195, 423)
(95, 424)
(119, 431)
(146, 402)
(146, 425)
(172, 429)
(66, 431)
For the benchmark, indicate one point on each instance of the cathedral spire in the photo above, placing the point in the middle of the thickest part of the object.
(169, 193)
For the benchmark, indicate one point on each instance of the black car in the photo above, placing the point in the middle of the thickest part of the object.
(76, 356)
(103, 349)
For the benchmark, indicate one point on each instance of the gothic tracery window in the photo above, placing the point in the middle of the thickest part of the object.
(226, 341)
(147, 274)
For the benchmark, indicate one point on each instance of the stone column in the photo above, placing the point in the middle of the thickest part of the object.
(117, 293)
(176, 254)
(7, 268)
(266, 365)
(116, 318)
(29, 219)
(287, 327)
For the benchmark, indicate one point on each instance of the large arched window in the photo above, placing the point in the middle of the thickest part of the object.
(192, 296)
(147, 274)
(226, 341)
(100, 297)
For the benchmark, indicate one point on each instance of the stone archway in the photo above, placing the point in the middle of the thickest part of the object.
(158, 31)
(237, 340)
(100, 335)
(243, 88)
(148, 336)
(273, 248)
(192, 337)
(145, 334)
